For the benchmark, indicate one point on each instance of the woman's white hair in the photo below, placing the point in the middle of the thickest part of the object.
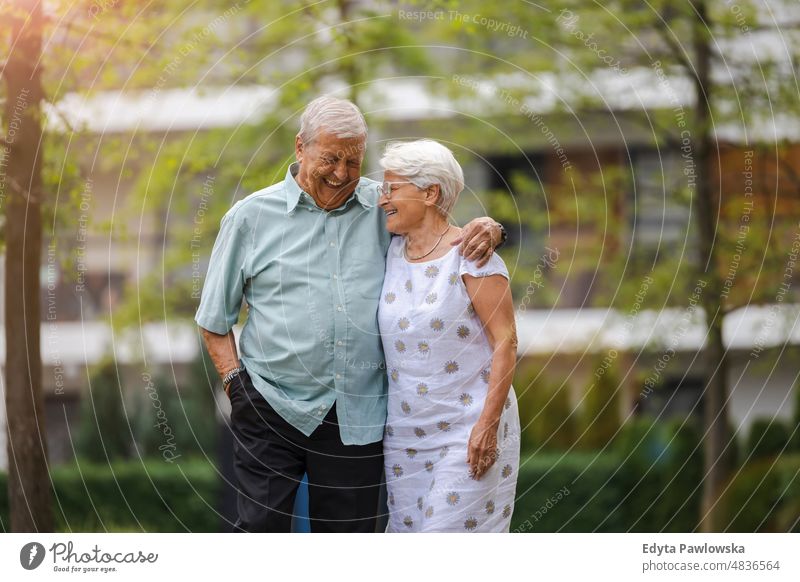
(426, 162)
(333, 115)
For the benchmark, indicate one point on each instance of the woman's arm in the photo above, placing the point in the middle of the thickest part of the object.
(491, 298)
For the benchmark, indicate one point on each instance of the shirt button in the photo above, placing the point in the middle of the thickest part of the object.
(338, 308)
(339, 343)
(319, 412)
(338, 376)
(335, 276)
(333, 244)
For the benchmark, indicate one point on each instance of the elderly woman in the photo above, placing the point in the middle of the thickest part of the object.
(451, 448)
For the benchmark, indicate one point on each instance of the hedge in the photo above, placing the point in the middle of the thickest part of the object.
(764, 496)
(590, 502)
(648, 481)
(132, 496)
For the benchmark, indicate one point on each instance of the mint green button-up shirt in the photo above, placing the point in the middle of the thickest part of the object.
(311, 280)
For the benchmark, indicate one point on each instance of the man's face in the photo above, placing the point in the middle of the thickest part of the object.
(330, 167)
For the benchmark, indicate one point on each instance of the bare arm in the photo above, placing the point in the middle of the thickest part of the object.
(222, 349)
(491, 297)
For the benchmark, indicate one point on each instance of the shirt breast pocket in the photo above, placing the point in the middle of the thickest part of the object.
(366, 275)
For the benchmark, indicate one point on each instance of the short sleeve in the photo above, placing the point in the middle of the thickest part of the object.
(223, 290)
(495, 266)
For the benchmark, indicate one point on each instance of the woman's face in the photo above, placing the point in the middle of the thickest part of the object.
(405, 205)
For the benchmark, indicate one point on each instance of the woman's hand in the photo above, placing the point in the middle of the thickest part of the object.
(482, 448)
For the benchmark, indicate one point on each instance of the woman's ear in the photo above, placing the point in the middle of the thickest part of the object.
(432, 194)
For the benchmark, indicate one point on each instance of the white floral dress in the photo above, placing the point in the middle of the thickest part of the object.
(438, 360)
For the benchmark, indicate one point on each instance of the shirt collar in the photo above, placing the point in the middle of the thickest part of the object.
(294, 193)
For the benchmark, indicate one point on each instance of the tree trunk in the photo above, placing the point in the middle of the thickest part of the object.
(28, 478)
(715, 414)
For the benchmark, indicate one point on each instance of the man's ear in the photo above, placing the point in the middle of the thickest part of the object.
(298, 148)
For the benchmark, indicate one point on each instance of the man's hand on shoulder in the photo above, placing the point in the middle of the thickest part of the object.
(479, 239)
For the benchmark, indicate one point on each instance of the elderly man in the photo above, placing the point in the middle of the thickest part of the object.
(309, 392)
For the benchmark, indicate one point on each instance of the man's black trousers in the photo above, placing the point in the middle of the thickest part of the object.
(271, 456)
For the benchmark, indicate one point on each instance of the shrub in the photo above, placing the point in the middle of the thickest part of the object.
(154, 496)
(178, 419)
(591, 501)
(546, 416)
(763, 496)
(103, 430)
(768, 437)
(662, 463)
(599, 418)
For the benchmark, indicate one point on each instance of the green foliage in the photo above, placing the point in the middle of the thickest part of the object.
(104, 432)
(768, 437)
(663, 464)
(591, 501)
(151, 497)
(649, 481)
(600, 413)
(178, 419)
(794, 424)
(763, 496)
(161, 417)
(547, 418)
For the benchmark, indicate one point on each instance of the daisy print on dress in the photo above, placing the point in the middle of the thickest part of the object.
(405, 407)
(506, 472)
(403, 323)
(397, 470)
(391, 498)
(400, 346)
(429, 512)
(443, 453)
(490, 507)
(389, 297)
(443, 426)
(424, 348)
(411, 453)
(389, 430)
(470, 524)
(431, 298)
(437, 324)
(420, 433)
(420, 503)
(507, 511)
(422, 389)
(463, 331)
(394, 374)
(453, 278)
(429, 466)
(451, 367)
(431, 271)
(465, 399)
(408, 522)
(453, 498)
(409, 286)
(485, 375)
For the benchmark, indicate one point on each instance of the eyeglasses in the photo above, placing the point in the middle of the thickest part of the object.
(386, 188)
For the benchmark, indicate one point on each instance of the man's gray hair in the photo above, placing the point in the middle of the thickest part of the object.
(333, 115)
(425, 162)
